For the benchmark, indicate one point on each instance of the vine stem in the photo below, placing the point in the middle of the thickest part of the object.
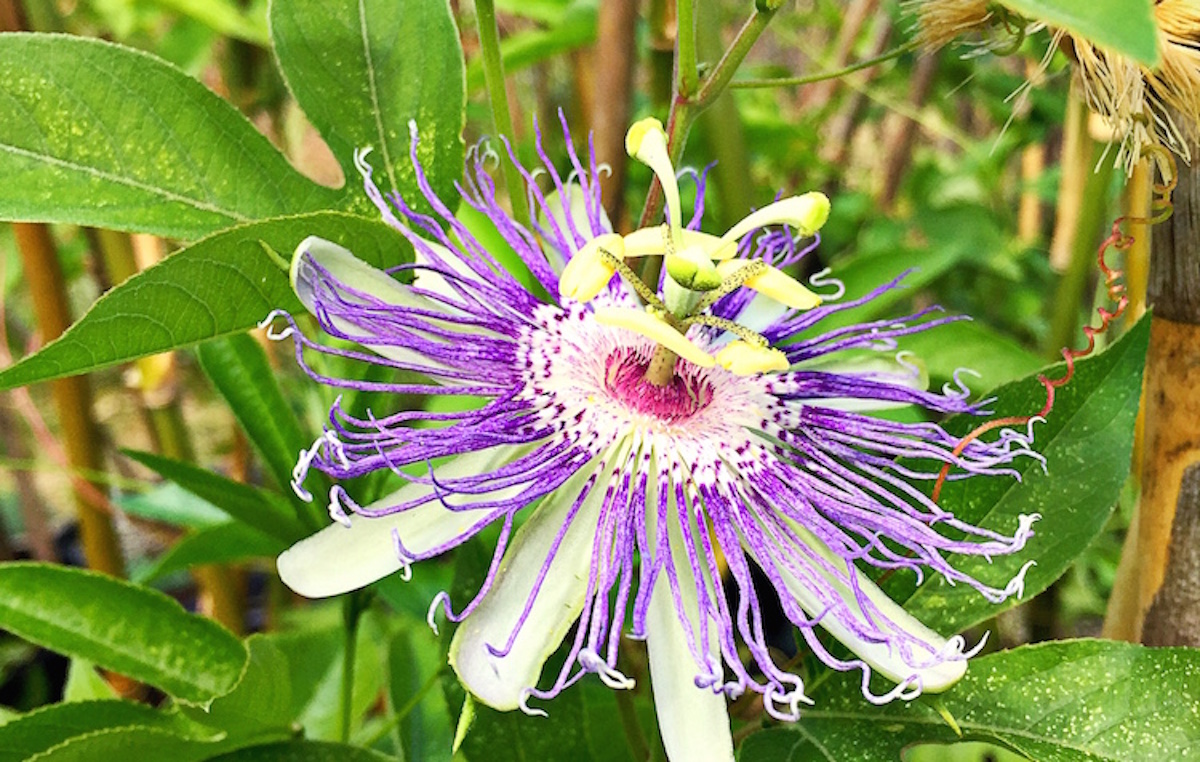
(686, 105)
(353, 606)
(493, 77)
(751, 84)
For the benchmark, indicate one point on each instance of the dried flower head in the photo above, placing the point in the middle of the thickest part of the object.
(940, 22)
(1137, 101)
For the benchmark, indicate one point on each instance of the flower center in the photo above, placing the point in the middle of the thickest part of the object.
(682, 397)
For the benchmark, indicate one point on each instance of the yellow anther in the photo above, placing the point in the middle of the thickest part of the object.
(806, 213)
(773, 283)
(745, 359)
(645, 242)
(656, 329)
(646, 141)
(587, 273)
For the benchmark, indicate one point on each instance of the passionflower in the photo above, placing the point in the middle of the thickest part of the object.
(645, 452)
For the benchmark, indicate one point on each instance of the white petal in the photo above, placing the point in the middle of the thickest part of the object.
(888, 617)
(500, 681)
(348, 269)
(339, 559)
(694, 722)
(351, 272)
(447, 260)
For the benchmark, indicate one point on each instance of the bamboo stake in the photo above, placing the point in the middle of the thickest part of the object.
(73, 396)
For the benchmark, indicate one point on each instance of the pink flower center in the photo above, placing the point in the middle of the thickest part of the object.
(625, 381)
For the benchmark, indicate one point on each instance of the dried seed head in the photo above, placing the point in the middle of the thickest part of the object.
(939, 22)
(1147, 107)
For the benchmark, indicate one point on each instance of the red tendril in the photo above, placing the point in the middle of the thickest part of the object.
(1160, 209)
(1116, 293)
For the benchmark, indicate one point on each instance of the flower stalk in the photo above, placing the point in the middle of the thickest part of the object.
(493, 77)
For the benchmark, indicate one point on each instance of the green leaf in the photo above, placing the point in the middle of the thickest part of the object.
(221, 285)
(1123, 26)
(98, 134)
(362, 69)
(1066, 701)
(304, 751)
(972, 345)
(1086, 440)
(260, 708)
(85, 683)
(125, 742)
(253, 507)
(310, 653)
(238, 367)
(413, 657)
(321, 716)
(51, 726)
(583, 726)
(225, 18)
(222, 544)
(131, 630)
(172, 504)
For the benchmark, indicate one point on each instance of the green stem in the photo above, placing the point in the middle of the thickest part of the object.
(404, 711)
(722, 74)
(639, 749)
(686, 107)
(747, 84)
(353, 606)
(1068, 296)
(687, 75)
(493, 77)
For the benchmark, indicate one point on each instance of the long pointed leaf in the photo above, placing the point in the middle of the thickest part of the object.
(99, 134)
(238, 367)
(132, 630)
(361, 69)
(220, 285)
(251, 506)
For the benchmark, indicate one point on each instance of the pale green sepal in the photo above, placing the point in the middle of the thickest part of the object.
(342, 558)
(694, 722)
(502, 682)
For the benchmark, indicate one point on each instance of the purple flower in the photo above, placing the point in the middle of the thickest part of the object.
(658, 446)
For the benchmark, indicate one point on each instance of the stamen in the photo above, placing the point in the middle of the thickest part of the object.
(748, 336)
(806, 213)
(589, 271)
(771, 282)
(746, 359)
(733, 280)
(646, 242)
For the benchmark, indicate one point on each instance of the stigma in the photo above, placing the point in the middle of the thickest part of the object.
(701, 268)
